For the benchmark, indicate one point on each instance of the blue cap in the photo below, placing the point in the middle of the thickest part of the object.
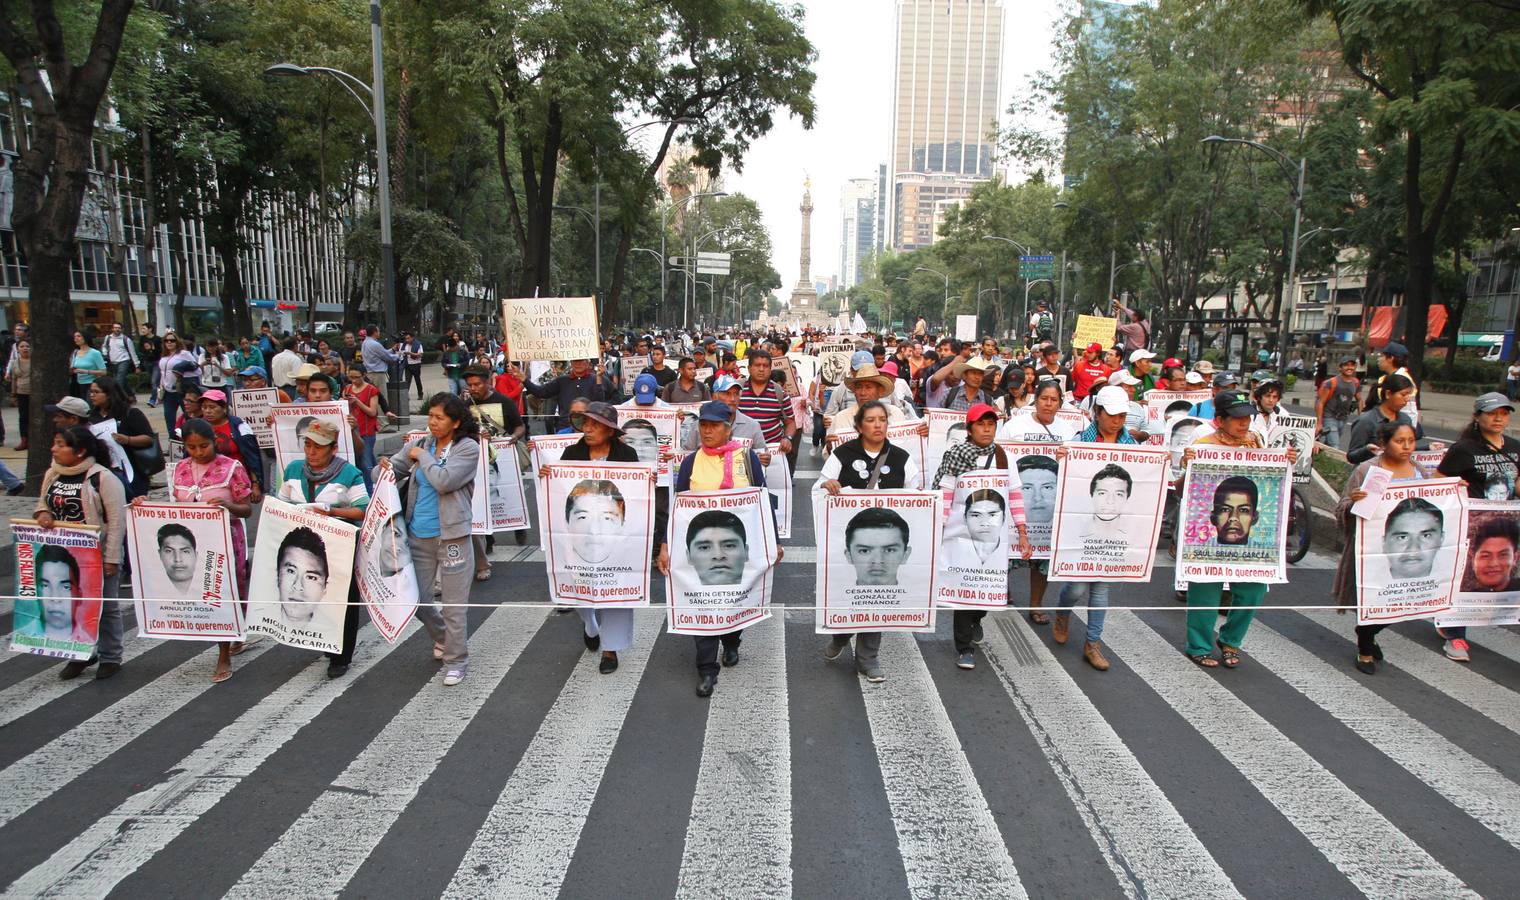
(1394, 348)
(715, 411)
(644, 389)
(255, 370)
(724, 383)
(862, 358)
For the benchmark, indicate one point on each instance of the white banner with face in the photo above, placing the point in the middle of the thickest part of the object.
(947, 427)
(877, 555)
(973, 564)
(302, 565)
(480, 491)
(184, 581)
(778, 480)
(1035, 466)
(289, 421)
(1162, 405)
(599, 521)
(1409, 551)
(1108, 512)
(1181, 431)
(509, 503)
(387, 581)
(722, 553)
(650, 432)
(1233, 516)
(1298, 433)
(1489, 593)
(544, 449)
(252, 405)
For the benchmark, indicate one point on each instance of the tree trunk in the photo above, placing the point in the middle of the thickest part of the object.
(181, 276)
(611, 304)
(150, 233)
(1417, 290)
(115, 232)
(1455, 313)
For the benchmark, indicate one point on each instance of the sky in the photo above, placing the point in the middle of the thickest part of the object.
(851, 132)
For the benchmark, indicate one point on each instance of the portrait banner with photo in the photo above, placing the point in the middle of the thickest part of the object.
(1108, 512)
(509, 502)
(480, 491)
(1181, 431)
(59, 580)
(387, 581)
(1489, 592)
(302, 564)
(650, 431)
(1233, 517)
(941, 422)
(973, 560)
(877, 560)
(544, 449)
(1409, 551)
(722, 556)
(631, 367)
(105, 433)
(1038, 472)
(903, 434)
(289, 423)
(551, 328)
(184, 575)
(778, 480)
(1429, 459)
(252, 405)
(1163, 405)
(1296, 432)
(599, 524)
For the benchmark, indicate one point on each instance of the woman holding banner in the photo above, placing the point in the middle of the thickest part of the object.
(109, 403)
(866, 462)
(437, 500)
(1398, 442)
(77, 489)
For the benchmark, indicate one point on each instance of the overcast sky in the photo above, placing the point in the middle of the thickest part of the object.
(851, 131)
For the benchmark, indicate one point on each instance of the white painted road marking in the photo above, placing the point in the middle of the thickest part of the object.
(44, 687)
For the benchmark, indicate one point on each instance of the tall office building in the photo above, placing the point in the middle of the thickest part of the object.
(945, 107)
(857, 232)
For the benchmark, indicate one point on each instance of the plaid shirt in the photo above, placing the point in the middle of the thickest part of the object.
(968, 457)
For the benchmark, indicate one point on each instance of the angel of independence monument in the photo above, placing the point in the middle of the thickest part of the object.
(803, 303)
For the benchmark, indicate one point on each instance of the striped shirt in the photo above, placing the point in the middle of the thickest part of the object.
(769, 408)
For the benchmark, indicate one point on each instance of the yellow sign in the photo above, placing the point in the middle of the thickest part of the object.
(1092, 329)
(551, 328)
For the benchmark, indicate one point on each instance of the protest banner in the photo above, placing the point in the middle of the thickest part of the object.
(1430, 459)
(544, 449)
(1296, 432)
(1034, 464)
(289, 421)
(973, 567)
(631, 367)
(387, 581)
(903, 434)
(705, 374)
(509, 503)
(1233, 517)
(650, 430)
(877, 556)
(252, 405)
(965, 328)
(1181, 431)
(59, 580)
(551, 328)
(1489, 591)
(1094, 329)
(598, 519)
(722, 553)
(480, 491)
(947, 427)
(105, 433)
(303, 562)
(833, 366)
(806, 367)
(782, 365)
(184, 575)
(778, 480)
(1409, 551)
(1162, 405)
(1108, 512)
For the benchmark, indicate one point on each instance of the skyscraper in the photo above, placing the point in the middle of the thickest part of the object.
(857, 233)
(945, 107)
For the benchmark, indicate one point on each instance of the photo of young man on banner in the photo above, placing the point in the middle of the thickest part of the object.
(947, 427)
(1234, 525)
(508, 500)
(1489, 591)
(1038, 471)
(59, 580)
(973, 569)
(1108, 512)
(289, 423)
(184, 583)
(303, 562)
(1298, 433)
(387, 581)
(599, 520)
(877, 560)
(1409, 551)
(722, 554)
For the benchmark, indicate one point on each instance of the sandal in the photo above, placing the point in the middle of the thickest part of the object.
(1038, 618)
(1204, 661)
(1229, 656)
(219, 677)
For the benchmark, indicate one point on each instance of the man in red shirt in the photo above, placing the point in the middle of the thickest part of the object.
(1087, 371)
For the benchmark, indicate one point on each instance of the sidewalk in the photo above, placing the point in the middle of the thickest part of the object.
(1441, 415)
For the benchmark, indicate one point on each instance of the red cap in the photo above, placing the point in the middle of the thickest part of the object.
(979, 412)
(1171, 361)
(1095, 347)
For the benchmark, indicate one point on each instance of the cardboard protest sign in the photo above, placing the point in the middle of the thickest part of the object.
(387, 581)
(252, 405)
(184, 578)
(59, 580)
(631, 366)
(598, 522)
(551, 328)
(877, 560)
(722, 553)
(302, 565)
(973, 564)
(1409, 551)
(1108, 512)
(1234, 516)
(1296, 432)
(1094, 329)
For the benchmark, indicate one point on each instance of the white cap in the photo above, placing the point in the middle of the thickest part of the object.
(1140, 354)
(1122, 378)
(1112, 400)
(1194, 378)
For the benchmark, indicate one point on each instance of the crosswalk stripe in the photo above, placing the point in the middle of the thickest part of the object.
(524, 847)
(115, 845)
(1497, 640)
(739, 833)
(43, 688)
(946, 834)
(82, 747)
(330, 841)
(1369, 850)
(1456, 681)
(1475, 787)
(1148, 846)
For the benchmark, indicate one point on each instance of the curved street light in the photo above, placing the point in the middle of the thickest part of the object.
(944, 315)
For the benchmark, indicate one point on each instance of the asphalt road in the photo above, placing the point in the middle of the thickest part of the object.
(1293, 776)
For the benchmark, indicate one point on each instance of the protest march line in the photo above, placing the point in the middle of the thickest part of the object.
(336, 834)
(945, 831)
(87, 744)
(524, 846)
(1473, 786)
(744, 782)
(1148, 846)
(118, 843)
(1370, 851)
(44, 687)
(1486, 697)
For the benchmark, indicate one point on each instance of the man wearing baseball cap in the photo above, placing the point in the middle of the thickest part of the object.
(727, 388)
(1141, 367)
(68, 412)
(1088, 371)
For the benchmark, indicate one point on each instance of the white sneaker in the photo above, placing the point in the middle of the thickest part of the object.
(452, 677)
(1456, 650)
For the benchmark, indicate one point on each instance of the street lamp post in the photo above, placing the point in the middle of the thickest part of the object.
(1287, 165)
(1012, 242)
(664, 222)
(944, 315)
(596, 231)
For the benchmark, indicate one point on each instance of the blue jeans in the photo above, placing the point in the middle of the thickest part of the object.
(367, 459)
(172, 402)
(7, 477)
(1334, 429)
(1093, 595)
(157, 378)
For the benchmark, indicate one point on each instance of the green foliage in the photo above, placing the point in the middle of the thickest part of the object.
(427, 248)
